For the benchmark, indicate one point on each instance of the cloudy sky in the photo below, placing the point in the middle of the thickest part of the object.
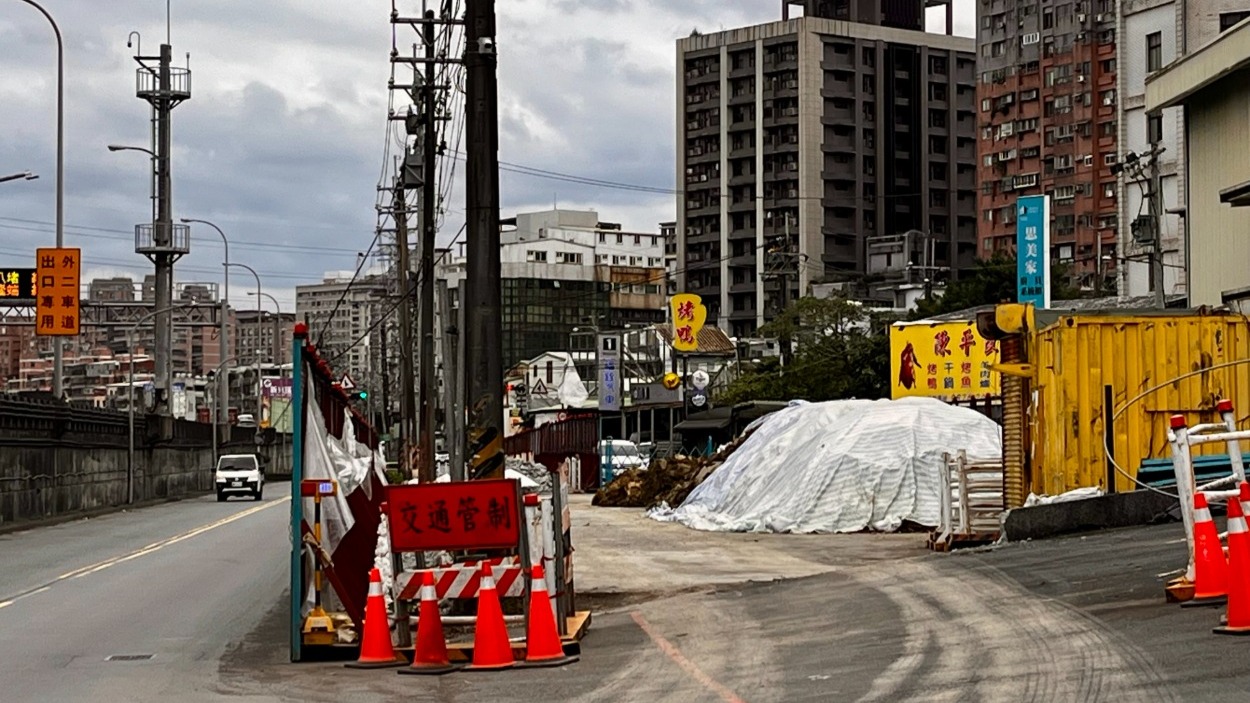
(284, 139)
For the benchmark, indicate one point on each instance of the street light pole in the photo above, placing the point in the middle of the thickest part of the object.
(223, 386)
(130, 409)
(58, 349)
(217, 372)
(258, 324)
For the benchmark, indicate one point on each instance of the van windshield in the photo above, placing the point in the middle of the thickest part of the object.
(237, 463)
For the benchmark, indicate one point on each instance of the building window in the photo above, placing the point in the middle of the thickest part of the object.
(1228, 20)
(1154, 51)
(1154, 128)
(985, 105)
(537, 257)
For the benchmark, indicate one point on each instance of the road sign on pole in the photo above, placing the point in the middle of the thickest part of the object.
(56, 291)
(346, 383)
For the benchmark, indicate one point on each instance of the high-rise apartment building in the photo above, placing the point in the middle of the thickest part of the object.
(1048, 114)
(340, 313)
(799, 140)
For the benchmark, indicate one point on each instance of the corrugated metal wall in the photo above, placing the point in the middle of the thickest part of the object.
(1079, 356)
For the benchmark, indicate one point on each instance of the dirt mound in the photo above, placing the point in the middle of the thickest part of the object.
(665, 481)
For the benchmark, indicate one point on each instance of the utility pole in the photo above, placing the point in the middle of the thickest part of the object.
(163, 242)
(453, 405)
(429, 195)
(422, 172)
(407, 403)
(483, 370)
(1156, 215)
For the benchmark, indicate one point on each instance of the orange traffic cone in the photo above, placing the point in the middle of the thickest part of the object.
(430, 657)
(1210, 564)
(1245, 497)
(1237, 621)
(376, 651)
(491, 649)
(542, 638)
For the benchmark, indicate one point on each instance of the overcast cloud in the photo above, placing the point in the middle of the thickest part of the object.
(282, 142)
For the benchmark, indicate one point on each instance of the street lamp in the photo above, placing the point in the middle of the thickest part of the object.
(130, 410)
(152, 155)
(58, 349)
(223, 387)
(27, 175)
(277, 311)
(217, 372)
(258, 323)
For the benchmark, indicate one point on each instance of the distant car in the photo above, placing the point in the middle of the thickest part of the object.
(239, 474)
(620, 455)
(246, 420)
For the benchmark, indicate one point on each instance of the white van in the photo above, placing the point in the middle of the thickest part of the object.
(620, 455)
(239, 474)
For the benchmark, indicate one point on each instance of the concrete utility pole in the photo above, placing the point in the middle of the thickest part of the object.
(453, 405)
(429, 195)
(163, 242)
(407, 401)
(483, 322)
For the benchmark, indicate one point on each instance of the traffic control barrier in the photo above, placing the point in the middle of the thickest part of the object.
(376, 651)
(430, 657)
(1182, 439)
(1210, 564)
(543, 647)
(1237, 621)
(492, 651)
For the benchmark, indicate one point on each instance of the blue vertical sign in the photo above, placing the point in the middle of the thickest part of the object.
(1033, 250)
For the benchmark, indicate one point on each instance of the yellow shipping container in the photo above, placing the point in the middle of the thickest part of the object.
(1080, 359)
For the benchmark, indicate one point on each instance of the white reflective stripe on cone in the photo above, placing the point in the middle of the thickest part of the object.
(1202, 515)
(488, 582)
(429, 593)
(1236, 526)
(375, 588)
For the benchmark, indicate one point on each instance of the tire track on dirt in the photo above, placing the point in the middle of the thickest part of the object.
(992, 635)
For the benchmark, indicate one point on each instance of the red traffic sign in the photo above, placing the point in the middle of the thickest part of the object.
(313, 488)
(454, 516)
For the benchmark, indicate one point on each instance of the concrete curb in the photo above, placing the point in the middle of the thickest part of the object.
(36, 523)
(1100, 513)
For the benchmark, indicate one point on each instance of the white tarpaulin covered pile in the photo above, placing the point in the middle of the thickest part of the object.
(839, 466)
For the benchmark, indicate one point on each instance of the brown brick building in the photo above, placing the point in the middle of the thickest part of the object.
(1047, 119)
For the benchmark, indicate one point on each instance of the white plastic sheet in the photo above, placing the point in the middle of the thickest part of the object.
(839, 466)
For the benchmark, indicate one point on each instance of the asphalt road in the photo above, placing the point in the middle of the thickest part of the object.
(738, 618)
(177, 584)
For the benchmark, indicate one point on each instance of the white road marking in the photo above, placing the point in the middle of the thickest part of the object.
(154, 547)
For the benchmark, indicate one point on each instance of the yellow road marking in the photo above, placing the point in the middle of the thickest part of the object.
(154, 547)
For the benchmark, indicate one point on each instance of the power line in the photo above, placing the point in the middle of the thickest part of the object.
(128, 235)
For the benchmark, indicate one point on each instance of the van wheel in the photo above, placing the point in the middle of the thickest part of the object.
(221, 497)
(260, 493)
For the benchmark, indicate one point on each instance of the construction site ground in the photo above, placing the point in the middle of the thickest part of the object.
(687, 616)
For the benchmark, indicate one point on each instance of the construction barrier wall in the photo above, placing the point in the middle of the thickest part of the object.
(1081, 360)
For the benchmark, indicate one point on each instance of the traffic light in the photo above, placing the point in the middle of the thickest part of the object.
(362, 395)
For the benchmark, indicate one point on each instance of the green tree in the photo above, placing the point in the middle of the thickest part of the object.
(842, 350)
(992, 281)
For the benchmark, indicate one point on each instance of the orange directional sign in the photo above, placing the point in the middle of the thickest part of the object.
(58, 273)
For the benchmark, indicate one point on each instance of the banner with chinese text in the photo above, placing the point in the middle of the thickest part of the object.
(942, 360)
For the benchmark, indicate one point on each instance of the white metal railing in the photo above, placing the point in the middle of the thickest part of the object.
(1182, 438)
